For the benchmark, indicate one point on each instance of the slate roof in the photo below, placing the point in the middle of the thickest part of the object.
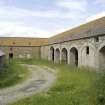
(91, 29)
(21, 41)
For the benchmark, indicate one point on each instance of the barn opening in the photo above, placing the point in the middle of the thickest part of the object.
(74, 56)
(64, 56)
(57, 55)
(52, 53)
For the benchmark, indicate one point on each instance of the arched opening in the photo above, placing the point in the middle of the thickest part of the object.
(102, 57)
(52, 53)
(64, 56)
(88, 53)
(74, 56)
(57, 55)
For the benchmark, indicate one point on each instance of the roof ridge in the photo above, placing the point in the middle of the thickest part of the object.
(78, 27)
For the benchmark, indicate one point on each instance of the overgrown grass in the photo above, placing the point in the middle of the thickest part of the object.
(12, 73)
(72, 87)
(100, 87)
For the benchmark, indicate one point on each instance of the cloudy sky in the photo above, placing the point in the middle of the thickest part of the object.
(45, 18)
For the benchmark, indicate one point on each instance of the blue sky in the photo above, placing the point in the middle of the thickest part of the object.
(45, 18)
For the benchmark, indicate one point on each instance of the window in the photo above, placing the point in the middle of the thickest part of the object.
(87, 50)
(96, 39)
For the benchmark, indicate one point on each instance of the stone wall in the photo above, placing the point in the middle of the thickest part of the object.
(22, 51)
(88, 50)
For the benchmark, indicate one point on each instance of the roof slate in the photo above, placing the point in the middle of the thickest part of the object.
(94, 28)
(91, 29)
(18, 41)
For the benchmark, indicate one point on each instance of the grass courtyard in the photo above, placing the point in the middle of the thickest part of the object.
(73, 86)
(12, 73)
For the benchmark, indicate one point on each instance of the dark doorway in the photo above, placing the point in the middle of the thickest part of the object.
(74, 56)
(52, 53)
(10, 55)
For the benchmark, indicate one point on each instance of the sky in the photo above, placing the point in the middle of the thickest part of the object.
(45, 18)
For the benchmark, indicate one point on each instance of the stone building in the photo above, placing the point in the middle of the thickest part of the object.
(80, 46)
(21, 47)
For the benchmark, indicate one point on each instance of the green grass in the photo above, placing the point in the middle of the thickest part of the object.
(12, 73)
(100, 87)
(72, 87)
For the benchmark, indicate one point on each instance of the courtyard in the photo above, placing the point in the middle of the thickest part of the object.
(52, 52)
(49, 84)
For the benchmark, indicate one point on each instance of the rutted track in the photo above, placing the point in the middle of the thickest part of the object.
(40, 80)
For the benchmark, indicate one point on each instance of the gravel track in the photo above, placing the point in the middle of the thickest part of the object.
(40, 80)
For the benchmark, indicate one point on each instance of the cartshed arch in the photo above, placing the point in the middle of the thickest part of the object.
(64, 55)
(52, 53)
(74, 56)
(57, 55)
(88, 55)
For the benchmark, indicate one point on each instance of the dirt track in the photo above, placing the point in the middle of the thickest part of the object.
(40, 80)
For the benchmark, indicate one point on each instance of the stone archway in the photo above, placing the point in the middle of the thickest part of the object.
(52, 53)
(88, 55)
(102, 57)
(57, 55)
(74, 56)
(64, 56)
